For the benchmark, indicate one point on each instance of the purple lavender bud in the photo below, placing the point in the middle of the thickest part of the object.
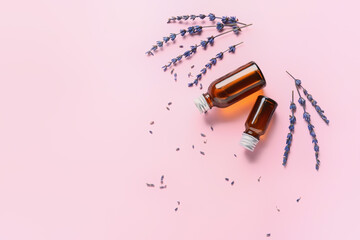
(192, 17)
(297, 82)
(232, 49)
(310, 127)
(178, 18)
(202, 16)
(193, 49)
(159, 43)
(190, 84)
(198, 29)
(306, 116)
(154, 47)
(187, 54)
(211, 17)
(292, 119)
(203, 71)
(232, 19)
(198, 77)
(236, 29)
(316, 148)
(309, 97)
(172, 36)
(182, 32)
(208, 65)
(164, 67)
(224, 19)
(191, 30)
(211, 40)
(204, 43)
(312, 133)
(220, 55)
(219, 26)
(301, 101)
(315, 141)
(174, 60)
(313, 102)
(213, 61)
(292, 106)
(179, 57)
(186, 17)
(291, 127)
(166, 39)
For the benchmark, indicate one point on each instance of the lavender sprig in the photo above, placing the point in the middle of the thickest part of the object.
(203, 44)
(190, 30)
(211, 63)
(307, 119)
(289, 137)
(310, 98)
(211, 16)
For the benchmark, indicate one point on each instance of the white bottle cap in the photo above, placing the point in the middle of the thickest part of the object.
(249, 142)
(201, 104)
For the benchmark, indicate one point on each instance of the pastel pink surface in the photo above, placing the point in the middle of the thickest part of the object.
(77, 95)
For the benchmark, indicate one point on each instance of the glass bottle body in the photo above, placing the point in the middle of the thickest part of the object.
(232, 87)
(258, 121)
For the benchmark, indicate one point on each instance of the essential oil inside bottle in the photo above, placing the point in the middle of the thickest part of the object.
(232, 87)
(257, 121)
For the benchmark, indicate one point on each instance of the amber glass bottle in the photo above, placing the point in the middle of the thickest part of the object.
(258, 121)
(232, 87)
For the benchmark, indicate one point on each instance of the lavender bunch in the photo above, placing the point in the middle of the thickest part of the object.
(312, 101)
(289, 137)
(190, 30)
(211, 63)
(203, 44)
(211, 16)
(307, 119)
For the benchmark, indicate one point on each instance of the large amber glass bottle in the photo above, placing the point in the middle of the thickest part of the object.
(257, 121)
(232, 87)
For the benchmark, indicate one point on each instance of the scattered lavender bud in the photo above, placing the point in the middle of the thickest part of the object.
(211, 127)
(193, 146)
(175, 77)
(162, 187)
(172, 71)
(150, 185)
(177, 149)
(277, 209)
(152, 123)
(226, 179)
(169, 103)
(181, 46)
(201, 86)
(168, 108)
(192, 66)
(232, 183)
(202, 153)
(162, 179)
(203, 135)
(178, 202)
(176, 209)
(259, 179)
(297, 200)
(189, 74)
(150, 132)
(268, 235)
(205, 141)
(235, 155)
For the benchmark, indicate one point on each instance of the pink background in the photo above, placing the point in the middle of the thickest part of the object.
(77, 95)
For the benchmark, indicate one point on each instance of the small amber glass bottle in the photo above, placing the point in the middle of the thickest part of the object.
(257, 121)
(232, 87)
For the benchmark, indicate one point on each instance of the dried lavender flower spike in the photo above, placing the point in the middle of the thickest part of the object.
(289, 136)
(203, 44)
(307, 119)
(211, 17)
(310, 99)
(211, 63)
(190, 30)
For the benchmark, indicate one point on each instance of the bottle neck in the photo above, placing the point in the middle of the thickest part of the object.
(208, 99)
(252, 133)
